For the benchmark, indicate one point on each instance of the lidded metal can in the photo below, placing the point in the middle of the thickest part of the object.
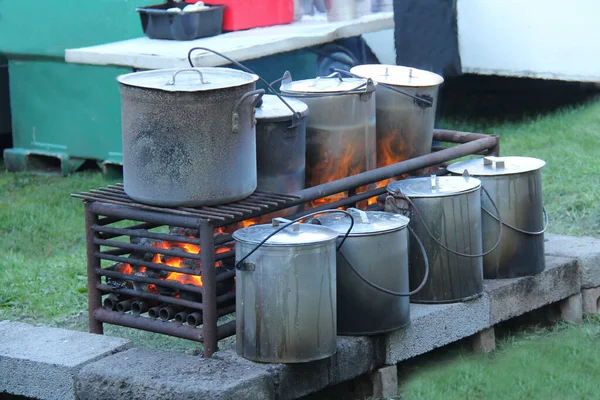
(449, 209)
(286, 293)
(377, 247)
(406, 106)
(340, 129)
(515, 185)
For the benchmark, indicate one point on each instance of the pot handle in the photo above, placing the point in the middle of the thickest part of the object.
(172, 81)
(236, 115)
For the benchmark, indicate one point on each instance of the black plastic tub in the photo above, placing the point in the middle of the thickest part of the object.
(158, 23)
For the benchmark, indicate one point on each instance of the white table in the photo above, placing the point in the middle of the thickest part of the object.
(145, 53)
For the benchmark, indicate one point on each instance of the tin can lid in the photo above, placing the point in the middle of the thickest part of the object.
(494, 166)
(188, 79)
(365, 222)
(273, 109)
(435, 186)
(327, 85)
(294, 235)
(398, 75)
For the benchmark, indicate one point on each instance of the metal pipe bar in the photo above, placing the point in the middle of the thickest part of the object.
(117, 252)
(151, 296)
(390, 171)
(125, 212)
(209, 300)
(146, 234)
(175, 252)
(108, 220)
(223, 331)
(143, 226)
(144, 279)
(450, 136)
(225, 275)
(225, 297)
(147, 264)
(93, 263)
(219, 240)
(148, 324)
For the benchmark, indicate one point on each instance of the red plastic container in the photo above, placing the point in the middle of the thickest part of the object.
(246, 14)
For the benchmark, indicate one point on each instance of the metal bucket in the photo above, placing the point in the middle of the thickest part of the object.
(515, 185)
(280, 145)
(450, 208)
(286, 293)
(406, 107)
(340, 130)
(377, 247)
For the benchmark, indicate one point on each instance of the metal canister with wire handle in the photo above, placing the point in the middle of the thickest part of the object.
(445, 213)
(515, 185)
(372, 272)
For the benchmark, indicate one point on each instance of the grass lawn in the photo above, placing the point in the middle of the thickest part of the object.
(43, 277)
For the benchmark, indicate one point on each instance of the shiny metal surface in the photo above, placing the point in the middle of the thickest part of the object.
(434, 186)
(456, 222)
(286, 306)
(383, 259)
(404, 126)
(295, 235)
(365, 222)
(280, 148)
(188, 148)
(340, 136)
(519, 200)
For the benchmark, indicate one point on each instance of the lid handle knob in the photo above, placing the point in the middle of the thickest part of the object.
(435, 182)
(363, 217)
(497, 164)
(172, 81)
(278, 221)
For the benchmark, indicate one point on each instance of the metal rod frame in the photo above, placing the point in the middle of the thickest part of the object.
(107, 206)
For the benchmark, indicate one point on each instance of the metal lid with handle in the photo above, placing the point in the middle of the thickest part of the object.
(495, 166)
(296, 234)
(328, 85)
(273, 109)
(398, 75)
(365, 222)
(188, 79)
(435, 186)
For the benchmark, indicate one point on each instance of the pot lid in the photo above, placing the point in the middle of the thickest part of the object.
(434, 186)
(273, 109)
(188, 79)
(365, 222)
(327, 85)
(398, 75)
(294, 235)
(493, 166)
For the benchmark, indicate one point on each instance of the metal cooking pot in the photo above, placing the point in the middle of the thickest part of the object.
(286, 293)
(515, 185)
(340, 130)
(189, 135)
(280, 145)
(377, 247)
(406, 106)
(450, 208)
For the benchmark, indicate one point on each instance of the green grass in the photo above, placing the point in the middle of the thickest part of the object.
(562, 362)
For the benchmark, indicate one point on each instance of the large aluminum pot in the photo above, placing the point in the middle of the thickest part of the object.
(377, 247)
(450, 207)
(281, 145)
(286, 293)
(342, 10)
(406, 107)
(515, 185)
(189, 135)
(340, 130)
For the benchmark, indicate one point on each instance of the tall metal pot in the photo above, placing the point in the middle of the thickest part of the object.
(450, 208)
(189, 135)
(515, 185)
(286, 293)
(377, 247)
(406, 107)
(340, 130)
(281, 145)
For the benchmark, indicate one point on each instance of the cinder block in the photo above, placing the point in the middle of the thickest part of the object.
(590, 299)
(585, 249)
(485, 341)
(435, 325)
(513, 297)
(385, 382)
(42, 362)
(138, 374)
(571, 309)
